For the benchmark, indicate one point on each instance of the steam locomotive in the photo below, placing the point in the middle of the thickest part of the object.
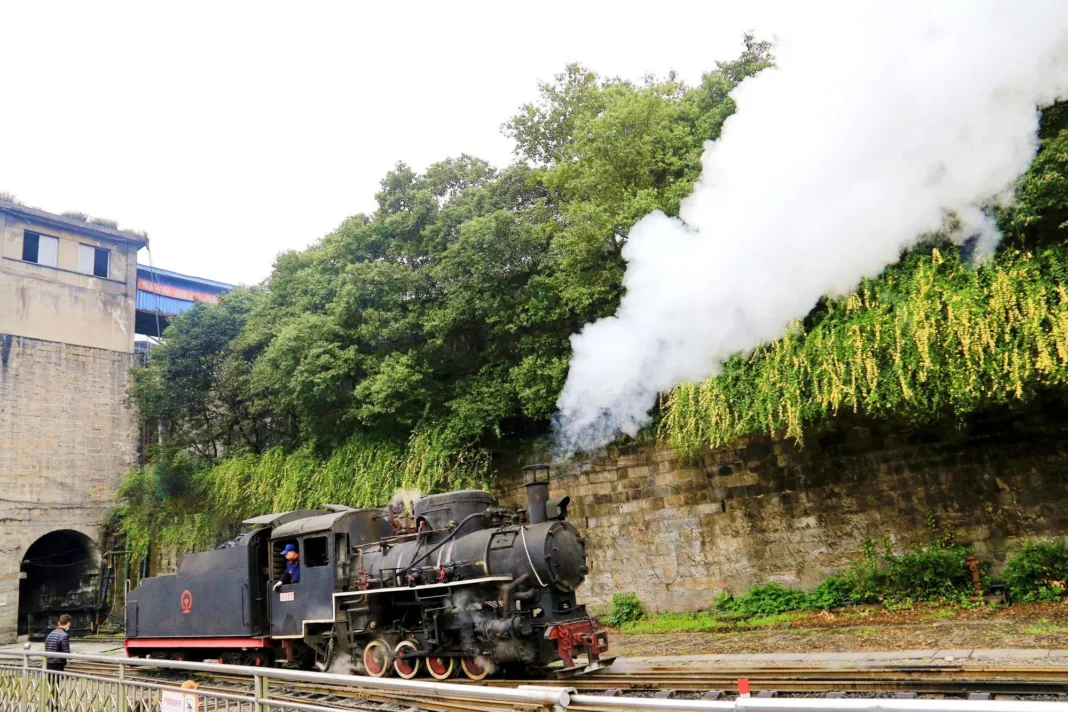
(455, 584)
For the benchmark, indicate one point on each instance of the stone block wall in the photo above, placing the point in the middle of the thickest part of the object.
(66, 439)
(761, 510)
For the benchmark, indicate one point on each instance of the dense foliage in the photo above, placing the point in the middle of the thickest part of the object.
(412, 343)
(1038, 571)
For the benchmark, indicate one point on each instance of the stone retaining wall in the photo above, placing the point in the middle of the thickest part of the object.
(763, 510)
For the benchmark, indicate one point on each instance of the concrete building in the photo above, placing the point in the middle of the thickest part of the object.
(68, 295)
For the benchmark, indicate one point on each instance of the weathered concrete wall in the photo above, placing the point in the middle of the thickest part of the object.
(59, 303)
(66, 438)
(763, 510)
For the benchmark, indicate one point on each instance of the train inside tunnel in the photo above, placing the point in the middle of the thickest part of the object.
(61, 574)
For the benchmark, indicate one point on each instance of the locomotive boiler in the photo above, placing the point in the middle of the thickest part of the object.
(455, 585)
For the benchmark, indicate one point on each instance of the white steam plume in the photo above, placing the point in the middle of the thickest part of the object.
(860, 139)
(407, 497)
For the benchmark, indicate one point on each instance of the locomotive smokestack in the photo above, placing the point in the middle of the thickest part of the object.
(536, 480)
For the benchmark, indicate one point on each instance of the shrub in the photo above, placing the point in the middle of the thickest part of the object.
(834, 591)
(925, 574)
(626, 608)
(1038, 571)
(767, 600)
(863, 580)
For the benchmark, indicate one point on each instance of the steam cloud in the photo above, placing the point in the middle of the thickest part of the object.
(407, 497)
(861, 138)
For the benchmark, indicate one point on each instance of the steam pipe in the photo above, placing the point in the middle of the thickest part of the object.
(510, 589)
(444, 541)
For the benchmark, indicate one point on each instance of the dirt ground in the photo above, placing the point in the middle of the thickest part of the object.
(1039, 625)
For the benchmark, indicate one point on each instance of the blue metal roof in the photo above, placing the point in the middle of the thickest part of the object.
(162, 294)
(158, 303)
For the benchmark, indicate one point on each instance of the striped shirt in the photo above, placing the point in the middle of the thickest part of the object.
(57, 642)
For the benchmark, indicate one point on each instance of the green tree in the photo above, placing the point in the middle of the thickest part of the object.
(439, 324)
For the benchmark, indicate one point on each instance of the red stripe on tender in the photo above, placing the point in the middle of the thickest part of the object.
(198, 643)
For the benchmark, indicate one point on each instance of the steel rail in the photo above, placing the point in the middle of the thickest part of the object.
(562, 695)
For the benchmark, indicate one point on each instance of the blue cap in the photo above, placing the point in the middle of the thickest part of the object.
(288, 548)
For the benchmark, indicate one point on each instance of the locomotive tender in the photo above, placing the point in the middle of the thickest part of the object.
(459, 585)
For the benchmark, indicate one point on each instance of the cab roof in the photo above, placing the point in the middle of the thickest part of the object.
(280, 518)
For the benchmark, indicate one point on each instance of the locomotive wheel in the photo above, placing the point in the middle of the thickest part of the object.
(407, 669)
(231, 657)
(256, 658)
(440, 668)
(378, 659)
(473, 670)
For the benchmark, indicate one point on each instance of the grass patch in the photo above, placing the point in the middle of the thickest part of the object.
(771, 621)
(1044, 627)
(939, 614)
(678, 623)
(705, 621)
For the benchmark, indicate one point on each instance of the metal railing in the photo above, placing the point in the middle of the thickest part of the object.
(27, 685)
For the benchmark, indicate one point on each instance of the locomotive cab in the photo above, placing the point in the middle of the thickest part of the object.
(305, 608)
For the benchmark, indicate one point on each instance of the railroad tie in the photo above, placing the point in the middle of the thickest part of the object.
(613, 692)
(768, 693)
(980, 696)
(664, 694)
(712, 695)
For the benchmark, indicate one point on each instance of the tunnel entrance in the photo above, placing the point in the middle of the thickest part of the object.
(61, 574)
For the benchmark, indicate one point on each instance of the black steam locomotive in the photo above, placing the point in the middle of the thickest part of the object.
(456, 584)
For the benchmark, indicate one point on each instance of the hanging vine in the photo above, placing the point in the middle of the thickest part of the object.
(930, 336)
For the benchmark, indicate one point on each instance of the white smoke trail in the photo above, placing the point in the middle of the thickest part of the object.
(861, 138)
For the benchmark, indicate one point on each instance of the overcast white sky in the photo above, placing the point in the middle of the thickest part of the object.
(233, 131)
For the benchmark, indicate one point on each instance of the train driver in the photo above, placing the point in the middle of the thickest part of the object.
(292, 572)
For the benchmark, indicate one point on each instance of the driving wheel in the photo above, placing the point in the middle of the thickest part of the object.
(378, 659)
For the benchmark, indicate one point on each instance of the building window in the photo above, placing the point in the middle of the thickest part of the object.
(41, 249)
(93, 260)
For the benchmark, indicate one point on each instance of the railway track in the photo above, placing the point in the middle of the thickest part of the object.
(679, 681)
(925, 679)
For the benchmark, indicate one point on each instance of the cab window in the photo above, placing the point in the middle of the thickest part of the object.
(316, 552)
(278, 562)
